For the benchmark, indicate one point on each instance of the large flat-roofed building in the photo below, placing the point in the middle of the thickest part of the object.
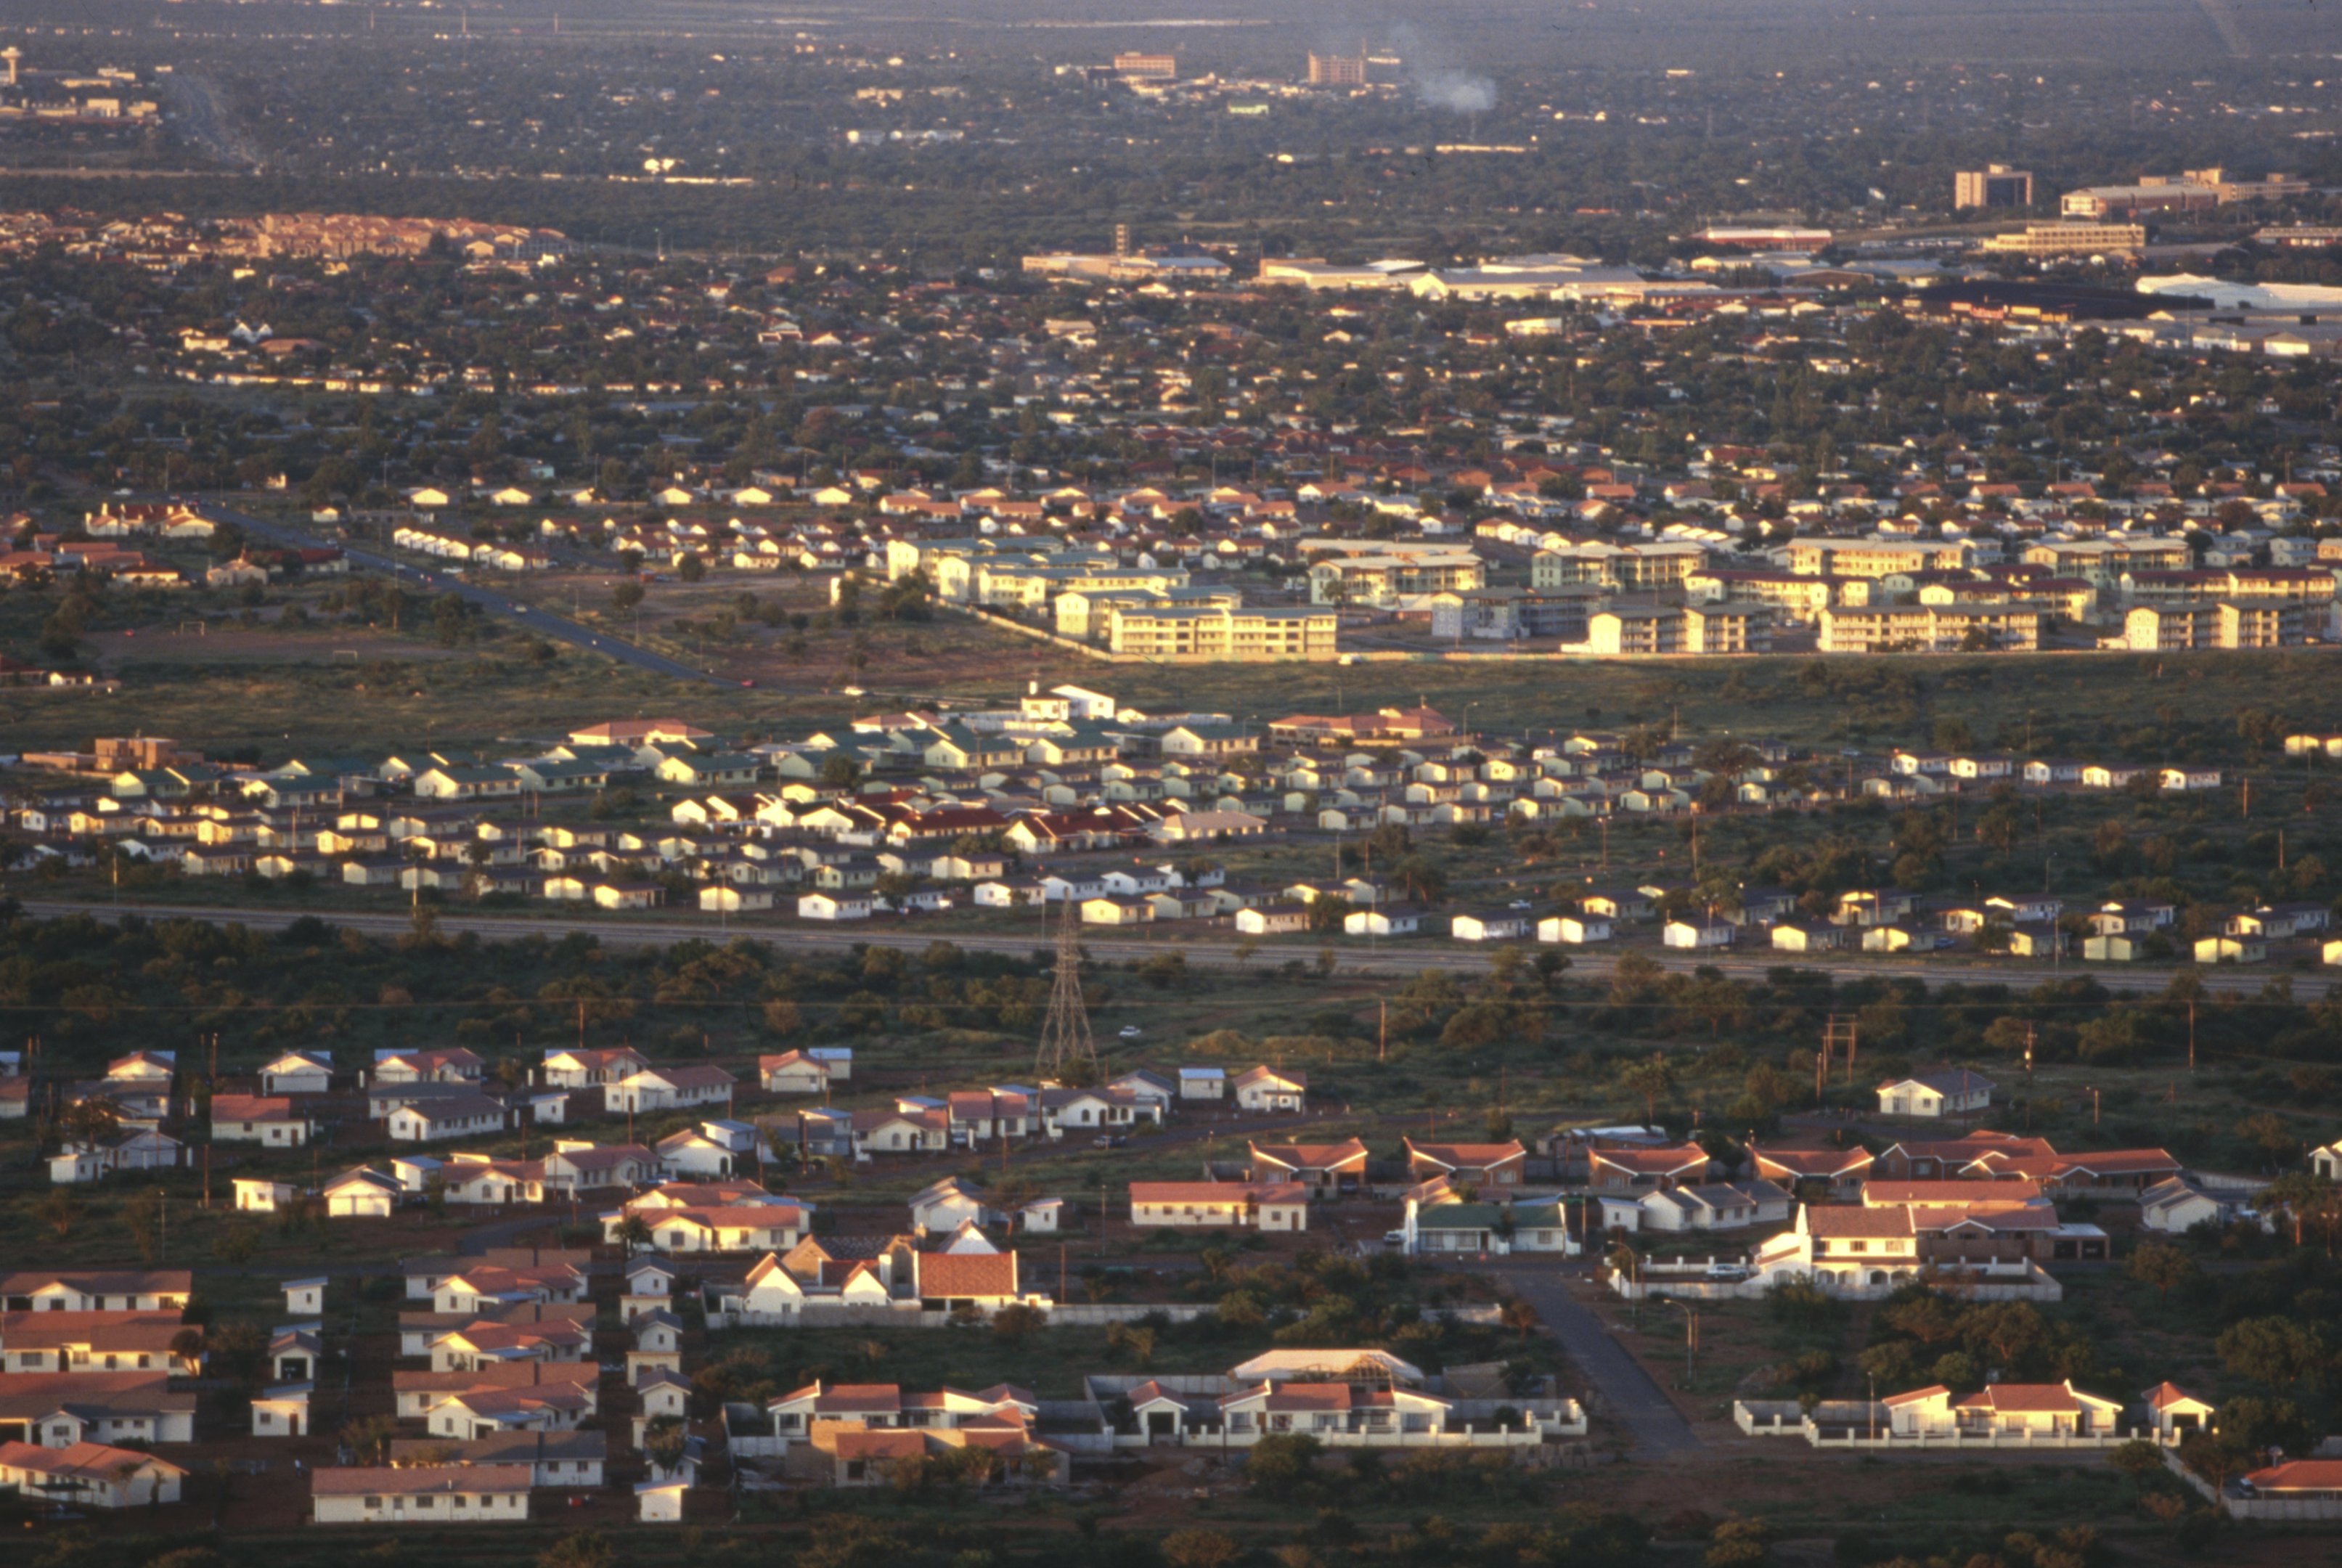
(1766, 237)
(1337, 70)
(1136, 65)
(1143, 266)
(1930, 629)
(2178, 627)
(2069, 238)
(1876, 557)
(1220, 634)
(1994, 185)
(1379, 578)
(2191, 190)
(1307, 271)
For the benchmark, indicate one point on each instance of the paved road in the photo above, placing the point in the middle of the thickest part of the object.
(543, 621)
(1396, 958)
(1628, 1393)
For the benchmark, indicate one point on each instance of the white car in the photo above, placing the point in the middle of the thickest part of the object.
(1130, 1032)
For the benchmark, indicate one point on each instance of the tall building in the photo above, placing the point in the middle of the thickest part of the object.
(1337, 70)
(1994, 185)
(1137, 67)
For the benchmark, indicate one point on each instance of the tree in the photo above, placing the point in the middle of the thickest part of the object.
(1519, 1316)
(2276, 1351)
(1419, 878)
(60, 1210)
(1017, 1323)
(664, 1442)
(90, 1122)
(369, 1440)
(634, 1233)
(2138, 1458)
(625, 595)
(1279, 1464)
(235, 1243)
(579, 1549)
(1650, 1080)
(1200, 1549)
(2162, 1265)
(1738, 1542)
(2265, 1423)
(2008, 1332)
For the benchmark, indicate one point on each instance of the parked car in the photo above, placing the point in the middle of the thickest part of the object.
(1131, 1032)
(1729, 1274)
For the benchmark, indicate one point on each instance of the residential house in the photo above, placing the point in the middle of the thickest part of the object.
(436, 1494)
(672, 1088)
(88, 1475)
(1476, 1164)
(1325, 1168)
(1262, 1205)
(269, 1119)
(362, 1194)
(1270, 1089)
(1635, 1169)
(1950, 1092)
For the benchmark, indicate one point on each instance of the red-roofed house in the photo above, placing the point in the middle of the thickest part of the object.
(88, 1475)
(1482, 1164)
(949, 1281)
(1325, 1166)
(2020, 1410)
(1630, 1170)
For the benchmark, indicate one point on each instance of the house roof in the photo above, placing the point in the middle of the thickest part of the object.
(1460, 1156)
(1652, 1162)
(982, 1275)
(2029, 1398)
(1219, 1192)
(1948, 1081)
(432, 1481)
(2299, 1475)
(1312, 1156)
(82, 1461)
(1848, 1222)
(1917, 1395)
(1813, 1162)
(2170, 1396)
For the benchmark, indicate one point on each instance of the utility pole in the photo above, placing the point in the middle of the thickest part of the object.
(1065, 1038)
(1382, 1029)
(2191, 1036)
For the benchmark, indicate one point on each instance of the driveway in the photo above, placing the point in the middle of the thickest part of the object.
(1628, 1392)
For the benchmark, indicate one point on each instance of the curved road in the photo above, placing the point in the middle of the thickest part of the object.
(543, 621)
(1394, 958)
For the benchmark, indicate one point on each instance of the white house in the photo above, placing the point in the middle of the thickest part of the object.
(1952, 1092)
(669, 1089)
(257, 1195)
(428, 1120)
(422, 1494)
(1699, 934)
(361, 1193)
(88, 1475)
(1270, 1089)
(1488, 925)
(297, 1073)
(1573, 929)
